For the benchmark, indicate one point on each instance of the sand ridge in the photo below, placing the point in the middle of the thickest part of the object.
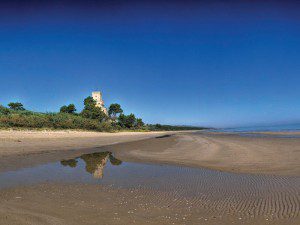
(224, 152)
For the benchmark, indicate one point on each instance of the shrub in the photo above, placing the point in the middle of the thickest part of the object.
(4, 110)
(68, 109)
(52, 120)
(16, 106)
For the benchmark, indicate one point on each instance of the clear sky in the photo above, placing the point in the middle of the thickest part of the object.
(173, 62)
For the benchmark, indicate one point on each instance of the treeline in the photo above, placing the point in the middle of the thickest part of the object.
(90, 118)
(160, 127)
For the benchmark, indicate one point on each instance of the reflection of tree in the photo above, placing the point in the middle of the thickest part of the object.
(114, 161)
(71, 163)
(94, 162)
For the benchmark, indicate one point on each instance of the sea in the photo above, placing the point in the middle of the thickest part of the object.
(273, 128)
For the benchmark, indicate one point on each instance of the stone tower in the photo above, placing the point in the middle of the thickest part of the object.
(97, 96)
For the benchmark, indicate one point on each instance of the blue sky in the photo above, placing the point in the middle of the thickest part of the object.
(213, 64)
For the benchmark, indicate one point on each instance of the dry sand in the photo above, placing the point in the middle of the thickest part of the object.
(28, 142)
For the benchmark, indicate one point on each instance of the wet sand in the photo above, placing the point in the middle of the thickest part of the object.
(59, 204)
(140, 193)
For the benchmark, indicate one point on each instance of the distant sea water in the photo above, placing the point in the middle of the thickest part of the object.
(274, 128)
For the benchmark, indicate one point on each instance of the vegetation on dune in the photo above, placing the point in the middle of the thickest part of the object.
(68, 109)
(90, 118)
(16, 106)
(28, 119)
(159, 127)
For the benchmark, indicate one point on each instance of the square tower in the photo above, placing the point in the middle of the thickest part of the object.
(97, 96)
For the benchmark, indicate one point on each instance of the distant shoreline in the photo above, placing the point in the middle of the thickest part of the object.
(293, 127)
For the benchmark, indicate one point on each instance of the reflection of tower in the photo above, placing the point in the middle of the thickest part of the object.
(98, 173)
(97, 96)
(95, 162)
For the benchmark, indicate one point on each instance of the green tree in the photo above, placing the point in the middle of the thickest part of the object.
(64, 109)
(131, 121)
(122, 120)
(89, 103)
(114, 110)
(91, 111)
(127, 121)
(68, 109)
(16, 106)
(139, 123)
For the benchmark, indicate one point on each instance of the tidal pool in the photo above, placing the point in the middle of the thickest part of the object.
(250, 195)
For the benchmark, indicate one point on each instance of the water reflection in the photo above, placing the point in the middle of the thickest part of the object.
(94, 162)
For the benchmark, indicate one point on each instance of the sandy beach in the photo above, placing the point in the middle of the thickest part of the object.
(165, 178)
(27, 142)
(219, 151)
